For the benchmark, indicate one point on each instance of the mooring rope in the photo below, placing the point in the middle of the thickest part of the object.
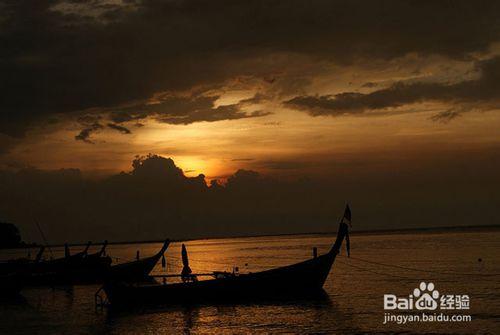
(375, 272)
(176, 261)
(371, 270)
(427, 270)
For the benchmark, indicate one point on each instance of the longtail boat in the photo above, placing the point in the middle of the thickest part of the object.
(19, 264)
(62, 264)
(137, 270)
(100, 253)
(290, 281)
(80, 268)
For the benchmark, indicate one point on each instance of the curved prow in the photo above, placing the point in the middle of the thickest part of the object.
(40, 253)
(151, 261)
(343, 233)
(83, 253)
(163, 249)
(66, 250)
(86, 250)
(136, 270)
(103, 249)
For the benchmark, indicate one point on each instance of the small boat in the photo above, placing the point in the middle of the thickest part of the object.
(79, 268)
(100, 253)
(19, 264)
(137, 270)
(296, 280)
(12, 274)
(25, 265)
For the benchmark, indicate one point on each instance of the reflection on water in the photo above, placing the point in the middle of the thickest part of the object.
(352, 302)
(221, 318)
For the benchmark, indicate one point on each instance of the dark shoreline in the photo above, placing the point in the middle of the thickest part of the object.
(429, 230)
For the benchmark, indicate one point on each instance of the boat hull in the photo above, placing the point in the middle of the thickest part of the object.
(64, 271)
(294, 280)
(82, 272)
(10, 285)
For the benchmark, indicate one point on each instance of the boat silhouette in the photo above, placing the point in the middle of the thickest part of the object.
(138, 270)
(296, 280)
(80, 268)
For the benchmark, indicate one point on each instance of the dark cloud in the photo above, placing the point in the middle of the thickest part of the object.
(121, 129)
(242, 159)
(257, 98)
(156, 200)
(369, 85)
(91, 123)
(228, 112)
(483, 90)
(58, 57)
(120, 116)
(84, 134)
(445, 116)
(273, 123)
(6, 143)
(183, 110)
(284, 165)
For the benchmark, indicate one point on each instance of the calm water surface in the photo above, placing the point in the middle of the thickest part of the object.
(353, 302)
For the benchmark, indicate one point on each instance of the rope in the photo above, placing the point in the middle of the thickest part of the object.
(375, 272)
(429, 271)
(198, 260)
(177, 263)
(367, 269)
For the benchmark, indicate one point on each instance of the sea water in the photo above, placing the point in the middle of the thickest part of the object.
(456, 263)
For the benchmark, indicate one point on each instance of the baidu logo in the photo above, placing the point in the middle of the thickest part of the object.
(425, 297)
(422, 305)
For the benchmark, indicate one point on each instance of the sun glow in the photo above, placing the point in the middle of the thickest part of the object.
(192, 166)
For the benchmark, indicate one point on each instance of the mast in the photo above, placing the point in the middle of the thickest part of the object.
(43, 236)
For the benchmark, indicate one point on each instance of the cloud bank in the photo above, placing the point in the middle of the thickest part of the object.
(482, 92)
(156, 200)
(59, 57)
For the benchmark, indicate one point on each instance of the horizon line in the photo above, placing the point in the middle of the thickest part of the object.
(361, 232)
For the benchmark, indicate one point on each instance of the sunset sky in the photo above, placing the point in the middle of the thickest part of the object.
(290, 89)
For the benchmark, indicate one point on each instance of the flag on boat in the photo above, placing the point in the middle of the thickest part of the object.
(347, 213)
(348, 245)
(348, 217)
(186, 270)
(185, 260)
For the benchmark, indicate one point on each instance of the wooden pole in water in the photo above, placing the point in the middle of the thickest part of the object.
(43, 237)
